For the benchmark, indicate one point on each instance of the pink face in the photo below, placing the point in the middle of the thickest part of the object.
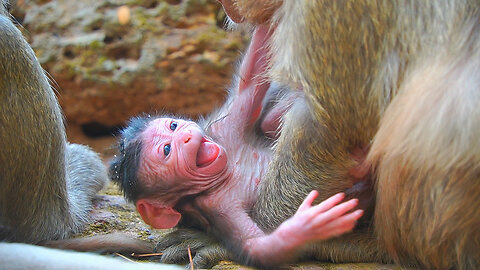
(177, 151)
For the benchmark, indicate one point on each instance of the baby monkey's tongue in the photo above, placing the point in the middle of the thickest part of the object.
(207, 153)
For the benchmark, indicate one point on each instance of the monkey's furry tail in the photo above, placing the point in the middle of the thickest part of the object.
(110, 243)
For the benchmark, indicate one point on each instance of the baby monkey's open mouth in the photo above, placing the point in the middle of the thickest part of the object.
(207, 153)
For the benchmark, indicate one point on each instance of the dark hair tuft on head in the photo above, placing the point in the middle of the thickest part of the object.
(124, 167)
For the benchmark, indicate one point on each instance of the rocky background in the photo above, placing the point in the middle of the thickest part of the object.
(109, 60)
(112, 59)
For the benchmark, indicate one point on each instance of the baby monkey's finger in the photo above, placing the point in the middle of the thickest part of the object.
(335, 212)
(343, 224)
(329, 203)
(307, 203)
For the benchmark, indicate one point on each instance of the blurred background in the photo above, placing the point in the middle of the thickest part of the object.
(109, 60)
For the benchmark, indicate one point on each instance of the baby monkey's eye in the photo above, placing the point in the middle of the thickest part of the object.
(173, 125)
(166, 149)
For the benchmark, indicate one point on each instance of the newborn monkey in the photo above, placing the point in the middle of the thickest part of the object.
(208, 173)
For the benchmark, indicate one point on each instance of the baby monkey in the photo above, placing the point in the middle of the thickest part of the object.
(207, 173)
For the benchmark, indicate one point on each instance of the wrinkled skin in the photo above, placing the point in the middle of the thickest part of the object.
(179, 154)
(175, 146)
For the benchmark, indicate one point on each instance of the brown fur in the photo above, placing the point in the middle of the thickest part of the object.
(257, 11)
(430, 152)
(415, 66)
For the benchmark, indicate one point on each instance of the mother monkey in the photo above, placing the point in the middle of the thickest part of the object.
(393, 90)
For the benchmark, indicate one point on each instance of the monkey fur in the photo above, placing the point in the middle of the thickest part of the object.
(47, 184)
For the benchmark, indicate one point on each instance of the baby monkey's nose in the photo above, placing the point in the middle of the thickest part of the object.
(187, 136)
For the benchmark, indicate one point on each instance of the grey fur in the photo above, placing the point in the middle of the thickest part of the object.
(46, 184)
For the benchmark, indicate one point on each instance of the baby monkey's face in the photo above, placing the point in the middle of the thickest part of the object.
(178, 150)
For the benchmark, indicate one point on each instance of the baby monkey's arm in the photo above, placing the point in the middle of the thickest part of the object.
(310, 223)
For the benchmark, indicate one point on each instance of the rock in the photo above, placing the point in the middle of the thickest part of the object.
(113, 59)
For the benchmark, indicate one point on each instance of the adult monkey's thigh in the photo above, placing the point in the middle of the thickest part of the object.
(428, 169)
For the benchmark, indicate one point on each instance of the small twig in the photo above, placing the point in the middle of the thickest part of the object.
(146, 255)
(190, 258)
(120, 255)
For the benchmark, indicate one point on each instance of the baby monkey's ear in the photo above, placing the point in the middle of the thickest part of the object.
(157, 215)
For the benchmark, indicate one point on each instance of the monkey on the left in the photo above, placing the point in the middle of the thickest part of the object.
(46, 184)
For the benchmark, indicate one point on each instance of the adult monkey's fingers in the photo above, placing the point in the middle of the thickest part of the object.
(231, 11)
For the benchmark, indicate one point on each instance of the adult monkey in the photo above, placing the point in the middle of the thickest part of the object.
(46, 184)
(392, 90)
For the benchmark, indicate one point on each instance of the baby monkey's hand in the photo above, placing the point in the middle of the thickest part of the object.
(320, 222)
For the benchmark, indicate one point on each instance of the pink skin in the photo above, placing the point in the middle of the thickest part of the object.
(310, 223)
(231, 175)
(271, 122)
(185, 143)
(179, 167)
(182, 165)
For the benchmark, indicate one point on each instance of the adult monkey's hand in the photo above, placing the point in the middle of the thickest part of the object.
(253, 11)
(231, 11)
